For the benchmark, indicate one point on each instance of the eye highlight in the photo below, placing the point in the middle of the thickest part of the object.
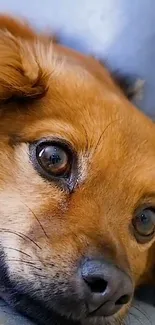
(56, 161)
(144, 225)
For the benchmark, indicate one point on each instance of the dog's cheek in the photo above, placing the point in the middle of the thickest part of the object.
(27, 205)
(149, 275)
(140, 259)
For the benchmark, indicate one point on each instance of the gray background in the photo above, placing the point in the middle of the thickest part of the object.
(122, 33)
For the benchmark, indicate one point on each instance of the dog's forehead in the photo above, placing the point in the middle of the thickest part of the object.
(78, 100)
(100, 123)
(88, 112)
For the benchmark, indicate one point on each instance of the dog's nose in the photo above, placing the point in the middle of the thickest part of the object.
(106, 287)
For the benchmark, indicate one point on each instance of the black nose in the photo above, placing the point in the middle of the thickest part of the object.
(106, 287)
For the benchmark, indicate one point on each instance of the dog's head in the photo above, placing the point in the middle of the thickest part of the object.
(77, 184)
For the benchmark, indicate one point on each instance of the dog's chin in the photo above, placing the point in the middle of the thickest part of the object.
(44, 315)
(18, 296)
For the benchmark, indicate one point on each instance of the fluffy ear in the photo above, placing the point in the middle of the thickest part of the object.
(20, 72)
(17, 27)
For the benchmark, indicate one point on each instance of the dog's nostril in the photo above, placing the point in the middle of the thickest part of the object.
(96, 285)
(123, 300)
(106, 287)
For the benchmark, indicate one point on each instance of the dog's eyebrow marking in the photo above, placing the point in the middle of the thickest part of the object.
(84, 159)
(14, 139)
(148, 197)
(102, 134)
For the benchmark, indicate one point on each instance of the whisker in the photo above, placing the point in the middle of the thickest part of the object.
(136, 317)
(98, 142)
(40, 275)
(25, 262)
(17, 250)
(36, 219)
(141, 311)
(86, 136)
(21, 235)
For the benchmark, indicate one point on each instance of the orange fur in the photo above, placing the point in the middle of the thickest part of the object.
(46, 91)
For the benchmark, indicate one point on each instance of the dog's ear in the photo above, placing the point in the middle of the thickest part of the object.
(17, 27)
(20, 72)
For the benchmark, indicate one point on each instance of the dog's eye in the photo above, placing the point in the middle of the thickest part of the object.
(144, 224)
(54, 160)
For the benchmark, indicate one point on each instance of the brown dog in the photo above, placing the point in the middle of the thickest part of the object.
(77, 185)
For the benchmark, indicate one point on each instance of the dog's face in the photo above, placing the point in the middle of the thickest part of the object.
(77, 186)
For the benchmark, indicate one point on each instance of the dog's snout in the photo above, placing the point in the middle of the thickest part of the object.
(106, 287)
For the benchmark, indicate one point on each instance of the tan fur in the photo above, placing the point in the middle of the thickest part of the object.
(47, 90)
